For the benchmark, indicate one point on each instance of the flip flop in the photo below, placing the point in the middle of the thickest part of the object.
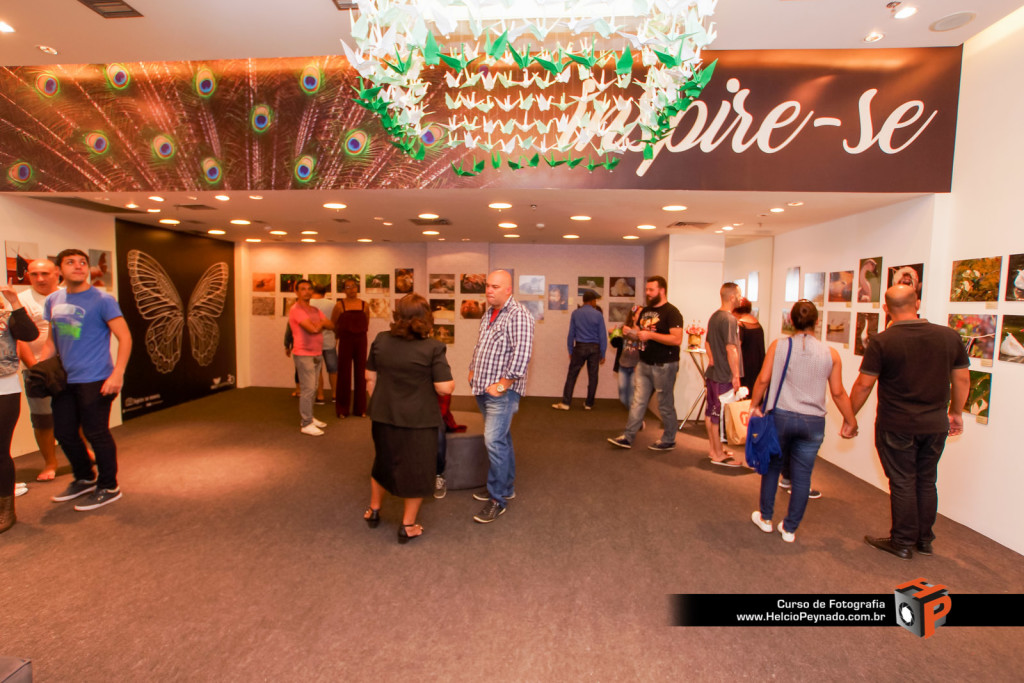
(726, 462)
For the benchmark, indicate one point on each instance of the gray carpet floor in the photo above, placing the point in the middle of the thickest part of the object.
(238, 553)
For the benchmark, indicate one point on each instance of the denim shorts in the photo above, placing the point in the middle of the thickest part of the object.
(331, 360)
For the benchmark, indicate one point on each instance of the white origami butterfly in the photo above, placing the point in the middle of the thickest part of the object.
(158, 301)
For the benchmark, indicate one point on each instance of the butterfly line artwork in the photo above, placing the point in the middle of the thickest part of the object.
(159, 301)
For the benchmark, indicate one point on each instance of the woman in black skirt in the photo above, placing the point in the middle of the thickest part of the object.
(405, 372)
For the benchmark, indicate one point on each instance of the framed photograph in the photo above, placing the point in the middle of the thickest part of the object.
(978, 333)
(869, 280)
(535, 307)
(288, 282)
(445, 333)
(473, 283)
(443, 309)
(792, 284)
(741, 282)
(264, 282)
(378, 283)
(289, 301)
(1011, 349)
(840, 287)
(911, 275)
(321, 280)
(99, 269)
(442, 283)
(752, 285)
(622, 287)
(264, 305)
(472, 309)
(558, 297)
(814, 288)
(1015, 278)
(19, 255)
(341, 279)
(979, 396)
(976, 279)
(404, 281)
(787, 323)
(837, 327)
(531, 285)
(591, 282)
(618, 311)
(867, 328)
(379, 308)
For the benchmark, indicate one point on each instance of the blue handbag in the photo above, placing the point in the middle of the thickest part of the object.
(762, 439)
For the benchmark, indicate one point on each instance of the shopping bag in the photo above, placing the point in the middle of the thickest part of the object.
(735, 416)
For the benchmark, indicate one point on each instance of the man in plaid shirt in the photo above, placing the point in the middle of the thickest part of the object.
(497, 377)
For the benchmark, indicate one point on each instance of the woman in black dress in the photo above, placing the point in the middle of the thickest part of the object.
(405, 372)
(751, 343)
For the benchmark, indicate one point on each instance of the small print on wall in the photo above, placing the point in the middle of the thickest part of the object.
(979, 395)
(472, 309)
(787, 323)
(531, 285)
(591, 282)
(869, 280)
(442, 283)
(99, 269)
(473, 283)
(321, 280)
(978, 333)
(558, 297)
(752, 281)
(264, 282)
(867, 328)
(340, 280)
(792, 284)
(289, 280)
(379, 308)
(618, 311)
(1015, 278)
(1011, 349)
(264, 305)
(443, 309)
(975, 279)
(379, 283)
(445, 333)
(535, 307)
(622, 287)
(837, 327)
(289, 301)
(840, 286)
(404, 281)
(814, 288)
(19, 255)
(911, 275)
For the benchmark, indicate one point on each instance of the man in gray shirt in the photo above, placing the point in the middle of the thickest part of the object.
(725, 367)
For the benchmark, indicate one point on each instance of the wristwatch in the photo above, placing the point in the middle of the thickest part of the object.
(501, 388)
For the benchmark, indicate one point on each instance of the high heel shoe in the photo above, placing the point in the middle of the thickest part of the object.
(403, 535)
(373, 519)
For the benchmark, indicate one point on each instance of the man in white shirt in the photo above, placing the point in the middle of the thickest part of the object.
(44, 280)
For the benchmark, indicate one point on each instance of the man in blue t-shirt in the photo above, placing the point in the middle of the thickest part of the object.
(588, 341)
(82, 319)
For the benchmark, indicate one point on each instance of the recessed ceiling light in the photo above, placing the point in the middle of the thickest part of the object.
(718, 232)
(364, 239)
(777, 209)
(215, 232)
(795, 204)
(170, 221)
(428, 216)
(500, 205)
(131, 206)
(507, 225)
(727, 228)
(579, 218)
(645, 227)
(239, 221)
(307, 239)
(255, 196)
(378, 218)
(389, 223)
(253, 239)
(873, 37)
(47, 49)
(221, 197)
(440, 239)
(952, 21)
(278, 232)
(5, 27)
(902, 12)
(570, 237)
(156, 199)
(736, 225)
(631, 237)
(152, 210)
(510, 235)
(309, 232)
(465, 239)
(431, 232)
(335, 205)
(674, 207)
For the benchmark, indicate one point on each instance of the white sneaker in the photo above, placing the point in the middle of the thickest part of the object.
(560, 406)
(312, 430)
(787, 536)
(20, 489)
(319, 424)
(763, 525)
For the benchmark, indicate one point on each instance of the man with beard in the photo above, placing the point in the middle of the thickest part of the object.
(660, 333)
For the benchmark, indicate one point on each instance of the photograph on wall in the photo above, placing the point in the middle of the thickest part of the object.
(531, 285)
(1011, 349)
(867, 328)
(286, 307)
(741, 282)
(378, 283)
(264, 305)
(976, 279)
(443, 309)
(840, 286)
(340, 280)
(869, 280)
(1015, 278)
(442, 283)
(558, 297)
(979, 395)
(472, 309)
(379, 308)
(819, 325)
(19, 255)
(618, 311)
(100, 271)
(321, 280)
(473, 283)
(814, 288)
(535, 307)
(622, 287)
(787, 323)
(264, 282)
(583, 290)
(591, 282)
(404, 281)
(445, 333)
(752, 285)
(289, 280)
(837, 327)
(792, 284)
(978, 333)
(911, 275)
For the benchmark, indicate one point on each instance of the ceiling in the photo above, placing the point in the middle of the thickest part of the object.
(224, 29)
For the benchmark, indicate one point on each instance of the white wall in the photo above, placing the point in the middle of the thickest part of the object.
(53, 227)
(752, 257)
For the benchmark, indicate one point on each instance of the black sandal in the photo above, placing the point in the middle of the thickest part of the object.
(403, 535)
(373, 518)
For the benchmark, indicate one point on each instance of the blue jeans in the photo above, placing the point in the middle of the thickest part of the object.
(800, 437)
(648, 379)
(498, 412)
(626, 386)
